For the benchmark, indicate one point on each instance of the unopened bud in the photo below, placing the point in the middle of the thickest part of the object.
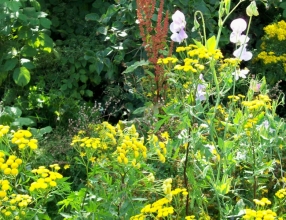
(252, 9)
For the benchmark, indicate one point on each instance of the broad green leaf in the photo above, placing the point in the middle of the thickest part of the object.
(83, 78)
(135, 66)
(23, 122)
(92, 17)
(13, 5)
(10, 64)
(89, 93)
(13, 111)
(24, 32)
(45, 40)
(21, 76)
(97, 66)
(27, 63)
(102, 30)
(211, 43)
(46, 23)
(28, 51)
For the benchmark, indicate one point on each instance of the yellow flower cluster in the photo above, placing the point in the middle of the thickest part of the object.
(190, 217)
(159, 207)
(23, 139)
(281, 193)
(260, 214)
(162, 206)
(130, 147)
(167, 60)
(261, 101)
(262, 202)
(10, 166)
(190, 65)
(229, 63)
(270, 57)
(46, 177)
(20, 200)
(15, 205)
(236, 98)
(4, 130)
(195, 54)
(5, 186)
(160, 146)
(276, 30)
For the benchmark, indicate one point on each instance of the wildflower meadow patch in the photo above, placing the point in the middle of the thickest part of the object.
(207, 144)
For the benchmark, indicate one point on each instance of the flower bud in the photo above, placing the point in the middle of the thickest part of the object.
(252, 9)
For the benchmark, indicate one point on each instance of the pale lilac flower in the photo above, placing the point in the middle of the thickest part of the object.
(240, 73)
(201, 94)
(242, 54)
(238, 26)
(178, 26)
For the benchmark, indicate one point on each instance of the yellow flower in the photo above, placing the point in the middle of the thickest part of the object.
(92, 159)
(66, 166)
(82, 154)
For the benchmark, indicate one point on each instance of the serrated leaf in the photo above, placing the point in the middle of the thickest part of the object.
(21, 76)
(135, 66)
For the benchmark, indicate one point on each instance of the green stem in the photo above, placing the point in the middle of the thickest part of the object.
(224, 20)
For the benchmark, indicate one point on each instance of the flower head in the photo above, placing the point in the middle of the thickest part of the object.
(238, 26)
(240, 73)
(177, 27)
(242, 54)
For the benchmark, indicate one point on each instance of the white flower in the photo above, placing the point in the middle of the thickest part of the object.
(178, 26)
(242, 54)
(240, 73)
(238, 26)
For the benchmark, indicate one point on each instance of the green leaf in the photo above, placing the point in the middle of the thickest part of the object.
(10, 64)
(27, 63)
(97, 66)
(13, 111)
(135, 66)
(83, 78)
(45, 40)
(211, 43)
(28, 51)
(46, 23)
(92, 17)
(21, 76)
(89, 93)
(23, 122)
(102, 30)
(35, 4)
(13, 5)
(24, 32)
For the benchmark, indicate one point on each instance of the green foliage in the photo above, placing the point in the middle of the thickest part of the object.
(24, 34)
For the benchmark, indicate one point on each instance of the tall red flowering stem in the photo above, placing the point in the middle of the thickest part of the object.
(154, 38)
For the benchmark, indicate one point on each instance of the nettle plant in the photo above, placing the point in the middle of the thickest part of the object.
(229, 154)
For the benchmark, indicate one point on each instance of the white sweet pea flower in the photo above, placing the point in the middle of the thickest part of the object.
(240, 73)
(238, 26)
(178, 26)
(242, 54)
